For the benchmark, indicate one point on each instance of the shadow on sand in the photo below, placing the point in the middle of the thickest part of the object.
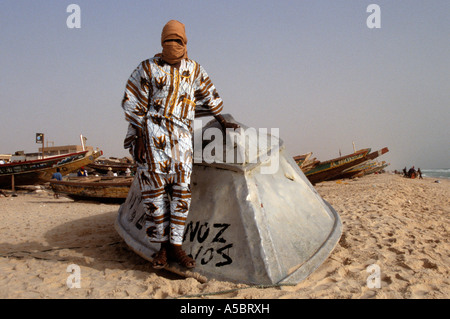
(90, 242)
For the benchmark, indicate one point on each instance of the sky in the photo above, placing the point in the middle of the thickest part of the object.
(313, 69)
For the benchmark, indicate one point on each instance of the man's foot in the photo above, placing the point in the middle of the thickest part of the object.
(177, 253)
(160, 259)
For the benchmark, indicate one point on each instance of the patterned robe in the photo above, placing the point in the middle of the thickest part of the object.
(163, 101)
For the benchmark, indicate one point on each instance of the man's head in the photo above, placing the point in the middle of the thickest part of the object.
(174, 41)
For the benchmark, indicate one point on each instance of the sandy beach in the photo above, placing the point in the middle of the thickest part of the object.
(399, 225)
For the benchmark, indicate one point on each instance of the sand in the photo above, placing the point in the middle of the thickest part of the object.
(396, 226)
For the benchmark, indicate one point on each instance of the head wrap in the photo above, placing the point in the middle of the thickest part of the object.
(173, 52)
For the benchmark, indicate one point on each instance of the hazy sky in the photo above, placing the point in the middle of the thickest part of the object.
(313, 69)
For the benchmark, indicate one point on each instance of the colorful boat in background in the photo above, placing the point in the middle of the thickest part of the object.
(354, 171)
(40, 171)
(301, 159)
(378, 167)
(360, 165)
(101, 189)
(309, 164)
(305, 162)
(102, 165)
(328, 169)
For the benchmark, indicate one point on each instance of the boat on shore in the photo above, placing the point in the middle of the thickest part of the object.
(106, 189)
(305, 162)
(245, 224)
(309, 164)
(301, 159)
(40, 171)
(328, 169)
(102, 166)
(359, 165)
(376, 168)
(355, 170)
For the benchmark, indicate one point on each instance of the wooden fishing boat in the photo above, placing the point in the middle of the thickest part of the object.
(245, 225)
(300, 159)
(353, 170)
(101, 189)
(305, 162)
(309, 164)
(381, 168)
(102, 166)
(328, 169)
(41, 171)
(372, 170)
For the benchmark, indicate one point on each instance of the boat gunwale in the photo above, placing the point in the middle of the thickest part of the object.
(43, 160)
(323, 166)
(362, 151)
(91, 183)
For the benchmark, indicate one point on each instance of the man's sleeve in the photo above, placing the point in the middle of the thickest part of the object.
(207, 100)
(135, 100)
(129, 140)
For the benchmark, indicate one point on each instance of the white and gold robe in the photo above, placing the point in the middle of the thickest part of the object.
(162, 101)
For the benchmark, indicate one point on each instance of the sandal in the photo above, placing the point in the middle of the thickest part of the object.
(160, 259)
(178, 254)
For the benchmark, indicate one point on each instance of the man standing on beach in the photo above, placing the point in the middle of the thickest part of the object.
(58, 176)
(162, 96)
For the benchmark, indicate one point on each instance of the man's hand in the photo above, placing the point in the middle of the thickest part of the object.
(139, 150)
(224, 124)
(139, 146)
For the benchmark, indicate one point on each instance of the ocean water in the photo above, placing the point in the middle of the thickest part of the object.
(436, 173)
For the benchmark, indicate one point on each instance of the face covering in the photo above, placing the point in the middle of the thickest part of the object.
(173, 52)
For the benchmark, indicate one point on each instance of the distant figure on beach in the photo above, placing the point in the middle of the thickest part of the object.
(162, 96)
(57, 175)
(82, 172)
(405, 173)
(412, 172)
(420, 173)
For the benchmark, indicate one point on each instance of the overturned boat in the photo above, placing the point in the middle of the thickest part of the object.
(254, 218)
